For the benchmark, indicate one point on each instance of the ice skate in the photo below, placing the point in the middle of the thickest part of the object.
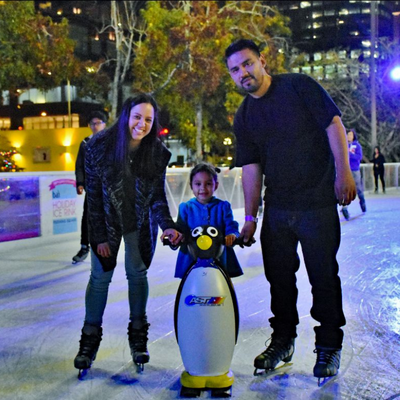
(138, 344)
(327, 364)
(81, 255)
(278, 350)
(345, 213)
(88, 347)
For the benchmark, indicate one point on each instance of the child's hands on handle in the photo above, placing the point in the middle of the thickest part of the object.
(229, 239)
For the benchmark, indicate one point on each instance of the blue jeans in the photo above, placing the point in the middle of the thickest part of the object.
(318, 232)
(359, 186)
(99, 282)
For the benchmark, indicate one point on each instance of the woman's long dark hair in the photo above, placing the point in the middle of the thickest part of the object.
(145, 155)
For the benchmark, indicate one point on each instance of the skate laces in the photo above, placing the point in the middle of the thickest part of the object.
(138, 338)
(276, 348)
(82, 252)
(328, 357)
(89, 344)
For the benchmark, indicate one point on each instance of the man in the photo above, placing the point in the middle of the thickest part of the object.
(289, 130)
(97, 122)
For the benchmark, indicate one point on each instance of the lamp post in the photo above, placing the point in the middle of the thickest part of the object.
(372, 75)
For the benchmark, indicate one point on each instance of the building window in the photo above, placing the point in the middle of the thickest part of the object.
(5, 124)
(305, 4)
(329, 13)
(366, 11)
(342, 54)
(317, 14)
(77, 10)
(317, 56)
(355, 54)
(51, 122)
(344, 11)
(111, 36)
(317, 25)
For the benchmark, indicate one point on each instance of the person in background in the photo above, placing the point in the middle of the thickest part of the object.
(379, 168)
(206, 209)
(289, 130)
(125, 183)
(97, 122)
(355, 154)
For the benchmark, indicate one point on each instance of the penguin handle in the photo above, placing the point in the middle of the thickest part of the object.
(240, 242)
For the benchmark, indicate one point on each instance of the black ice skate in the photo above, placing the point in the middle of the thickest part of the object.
(138, 344)
(81, 255)
(88, 347)
(278, 350)
(328, 363)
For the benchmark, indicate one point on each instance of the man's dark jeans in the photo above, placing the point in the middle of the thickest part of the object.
(318, 232)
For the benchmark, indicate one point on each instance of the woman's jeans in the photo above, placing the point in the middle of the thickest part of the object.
(360, 188)
(138, 289)
(318, 232)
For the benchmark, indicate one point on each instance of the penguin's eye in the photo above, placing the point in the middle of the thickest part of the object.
(212, 231)
(197, 231)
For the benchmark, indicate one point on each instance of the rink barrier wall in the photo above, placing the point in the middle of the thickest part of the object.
(45, 204)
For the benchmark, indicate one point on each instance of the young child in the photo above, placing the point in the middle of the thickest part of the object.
(206, 209)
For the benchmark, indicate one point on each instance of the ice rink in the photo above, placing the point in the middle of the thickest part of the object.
(42, 310)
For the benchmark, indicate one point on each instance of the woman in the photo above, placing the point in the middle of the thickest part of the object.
(355, 157)
(379, 168)
(125, 177)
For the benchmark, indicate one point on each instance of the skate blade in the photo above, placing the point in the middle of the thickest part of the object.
(324, 380)
(272, 372)
(139, 368)
(82, 373)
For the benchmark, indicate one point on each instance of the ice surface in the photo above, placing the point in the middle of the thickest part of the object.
(42, 309)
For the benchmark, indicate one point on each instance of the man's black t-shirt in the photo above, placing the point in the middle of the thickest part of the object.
(285, 132)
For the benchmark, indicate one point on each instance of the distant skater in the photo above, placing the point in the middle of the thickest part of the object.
(355, 157)
(379, 168)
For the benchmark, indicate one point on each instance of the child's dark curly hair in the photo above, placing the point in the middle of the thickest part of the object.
(205, 167)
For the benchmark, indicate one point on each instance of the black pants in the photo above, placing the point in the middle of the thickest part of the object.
(318, 232)
(379, 174)
(84, 224)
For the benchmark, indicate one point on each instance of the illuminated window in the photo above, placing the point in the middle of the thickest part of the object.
(355, 54)
(317, 56)
(366, 11)
(317, 14)
(5, 123)
(317, 25)
(342, 54)
(305, 4)
(111, 36)
(329, 13)
(77, 10)
(354, 33)
(51, 122)
(344, 11)
(366, 43)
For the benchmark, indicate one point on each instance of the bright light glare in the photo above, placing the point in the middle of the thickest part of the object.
(395, 73)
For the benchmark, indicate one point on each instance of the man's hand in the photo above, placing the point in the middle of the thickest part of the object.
(248, 230)
(80, 189)
(345, 189)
